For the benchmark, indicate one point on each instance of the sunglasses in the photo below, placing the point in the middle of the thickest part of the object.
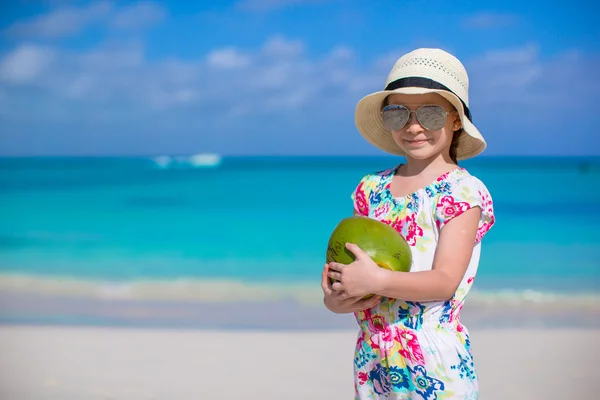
(431, 116)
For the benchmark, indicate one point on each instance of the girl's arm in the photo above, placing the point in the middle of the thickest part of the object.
(452, 257)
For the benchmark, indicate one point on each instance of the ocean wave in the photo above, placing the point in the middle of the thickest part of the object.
(182, 289)
(219, 291)
(192, 161)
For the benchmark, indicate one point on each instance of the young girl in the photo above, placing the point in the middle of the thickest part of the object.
(411, 342)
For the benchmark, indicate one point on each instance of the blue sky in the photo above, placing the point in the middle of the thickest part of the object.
(283, 76)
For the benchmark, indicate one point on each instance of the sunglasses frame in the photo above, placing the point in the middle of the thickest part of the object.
(416, 115)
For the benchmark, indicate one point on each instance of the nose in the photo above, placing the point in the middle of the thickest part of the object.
(413, 125)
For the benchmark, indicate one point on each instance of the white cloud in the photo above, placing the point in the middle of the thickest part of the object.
(117, 57)
(25, 64)
(138, 16)
(280, 47)
(490, 20)
(68, 20)
(341, 54)
(228, 58)
(508, 69)
(270, 5)
(277, 76)
(61, 22)
(521, 77)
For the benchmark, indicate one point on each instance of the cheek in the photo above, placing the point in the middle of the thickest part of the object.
(442, 137)
(437, 136)
(397, 135)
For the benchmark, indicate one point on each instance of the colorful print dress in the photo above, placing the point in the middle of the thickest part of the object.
(419, 350)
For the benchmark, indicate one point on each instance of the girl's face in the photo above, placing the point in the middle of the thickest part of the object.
(415, 140)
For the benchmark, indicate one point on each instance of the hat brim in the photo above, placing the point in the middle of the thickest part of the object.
(369, 123)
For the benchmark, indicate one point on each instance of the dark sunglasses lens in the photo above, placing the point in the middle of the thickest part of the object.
(431, 117)
(395, 117)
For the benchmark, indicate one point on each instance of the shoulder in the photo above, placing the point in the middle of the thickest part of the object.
(463, 184)
(372, 180)
(368, 187)
(459, 192)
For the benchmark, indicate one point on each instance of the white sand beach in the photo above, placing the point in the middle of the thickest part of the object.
(117, 363)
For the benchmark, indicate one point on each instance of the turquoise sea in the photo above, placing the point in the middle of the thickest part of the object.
(254, 229)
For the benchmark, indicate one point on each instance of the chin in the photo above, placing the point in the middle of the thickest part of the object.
(422, 153)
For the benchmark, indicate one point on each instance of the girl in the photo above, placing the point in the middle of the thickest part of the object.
(411, 343)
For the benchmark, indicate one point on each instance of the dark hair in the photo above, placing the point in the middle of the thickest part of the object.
(454, 145)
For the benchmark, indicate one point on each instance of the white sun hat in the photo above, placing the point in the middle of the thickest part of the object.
(421, 71)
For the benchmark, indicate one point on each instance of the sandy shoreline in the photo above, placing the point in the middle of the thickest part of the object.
(118, 363)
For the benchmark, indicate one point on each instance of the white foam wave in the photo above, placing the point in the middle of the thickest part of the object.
(161, 290)
(198, 290)
(162, 161)
(205, 159)
(200, 160)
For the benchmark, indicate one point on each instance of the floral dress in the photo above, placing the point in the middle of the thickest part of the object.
(419, 350)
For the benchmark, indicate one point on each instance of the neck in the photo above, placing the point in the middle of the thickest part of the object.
(437, 163)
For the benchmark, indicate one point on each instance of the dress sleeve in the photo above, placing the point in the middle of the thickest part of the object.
(360, 197)
(464, 195)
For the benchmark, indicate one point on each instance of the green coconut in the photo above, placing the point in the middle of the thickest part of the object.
(380, 241)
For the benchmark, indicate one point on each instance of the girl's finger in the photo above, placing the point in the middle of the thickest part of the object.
(325, 283)
(335, 275)
(337, 286)
(336, 266)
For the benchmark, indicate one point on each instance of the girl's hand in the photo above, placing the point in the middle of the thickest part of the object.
(338, 302)
(358, 278)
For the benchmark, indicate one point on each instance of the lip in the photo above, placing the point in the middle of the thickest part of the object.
(417, 142)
